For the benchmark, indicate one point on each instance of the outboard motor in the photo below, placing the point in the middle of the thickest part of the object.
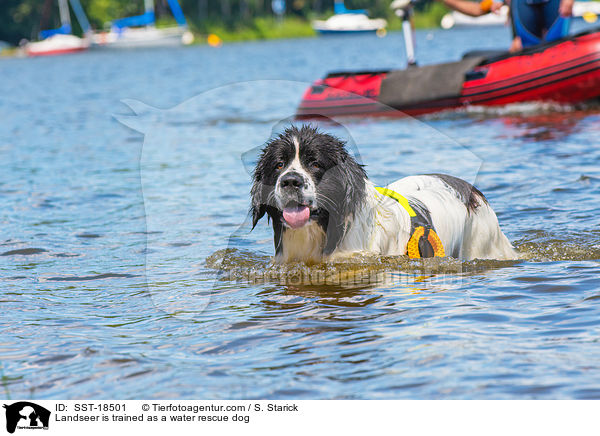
(404, 10)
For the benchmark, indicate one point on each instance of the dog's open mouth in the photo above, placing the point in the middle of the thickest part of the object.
(296, 215)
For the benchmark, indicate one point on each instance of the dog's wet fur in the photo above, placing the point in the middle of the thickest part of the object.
(320, 202)
(326, 164)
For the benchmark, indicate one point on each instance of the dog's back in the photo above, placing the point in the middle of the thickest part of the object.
(461, 216)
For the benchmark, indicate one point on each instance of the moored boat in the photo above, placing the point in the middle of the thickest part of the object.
(349, 24)
(142, 37)
(140, 32)
(61, 40)
(57, 44)
(348, 21)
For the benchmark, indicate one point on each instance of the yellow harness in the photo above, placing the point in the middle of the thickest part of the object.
(423, 242)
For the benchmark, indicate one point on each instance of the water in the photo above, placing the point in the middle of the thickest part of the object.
(128, 269)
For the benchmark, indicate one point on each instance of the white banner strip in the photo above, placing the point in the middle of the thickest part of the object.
(306, 418)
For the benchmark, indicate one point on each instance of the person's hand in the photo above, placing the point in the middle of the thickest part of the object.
(516, 45)
(566, 8)
(496, 6)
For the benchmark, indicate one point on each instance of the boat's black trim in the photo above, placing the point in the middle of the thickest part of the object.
(478, 101)
(532, 75)
(344, 106)
(429, 83)
(356, 73)
(537, 78)
(484, 53)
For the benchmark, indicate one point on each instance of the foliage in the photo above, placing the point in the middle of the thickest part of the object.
(261, 28)
(430, 16)
(230, 19)
(18, 19)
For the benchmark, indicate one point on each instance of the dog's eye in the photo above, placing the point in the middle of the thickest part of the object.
(315, 165)
(279, 165)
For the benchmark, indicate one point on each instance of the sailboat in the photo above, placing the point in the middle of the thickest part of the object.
(140, 31)
(61, 40)
(348, 21)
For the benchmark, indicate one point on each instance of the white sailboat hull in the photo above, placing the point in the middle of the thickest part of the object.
(57, 44)
(142, 37)
(348, 23)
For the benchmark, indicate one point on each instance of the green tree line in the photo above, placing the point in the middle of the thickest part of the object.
(21, 19)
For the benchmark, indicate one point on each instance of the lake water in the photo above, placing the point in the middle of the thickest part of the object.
(128, 268)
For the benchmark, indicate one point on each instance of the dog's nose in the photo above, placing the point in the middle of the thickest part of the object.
(292, 180)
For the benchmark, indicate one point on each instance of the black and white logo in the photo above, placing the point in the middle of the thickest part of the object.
(26, 415)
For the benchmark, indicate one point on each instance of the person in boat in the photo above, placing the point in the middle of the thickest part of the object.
(533, 21)
(538, 21)
(474, 9)
(403, 8)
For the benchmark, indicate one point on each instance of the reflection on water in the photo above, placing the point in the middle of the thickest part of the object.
(356, 272)
(362, 271)
(551, 126)
(128, 272)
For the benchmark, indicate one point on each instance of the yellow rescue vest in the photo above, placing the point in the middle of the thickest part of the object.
(423, 241)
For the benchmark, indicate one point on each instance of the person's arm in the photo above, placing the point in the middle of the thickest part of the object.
(473, 9)
(566, 8)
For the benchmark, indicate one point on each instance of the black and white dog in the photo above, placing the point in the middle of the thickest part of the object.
(322, 206)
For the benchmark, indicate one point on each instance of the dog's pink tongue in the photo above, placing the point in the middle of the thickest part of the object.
(296, 216)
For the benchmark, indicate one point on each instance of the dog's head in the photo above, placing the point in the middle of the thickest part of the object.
(305, 178)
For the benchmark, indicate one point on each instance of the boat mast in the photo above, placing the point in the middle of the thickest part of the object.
(177, 13)
(65, 17)
(149, 9)
(81, 17)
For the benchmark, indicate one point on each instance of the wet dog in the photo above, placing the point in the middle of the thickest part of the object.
(322, 205)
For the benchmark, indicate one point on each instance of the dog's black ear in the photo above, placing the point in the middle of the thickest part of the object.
(258, 207)
(335, 232)
(258, 211)
(344, 188)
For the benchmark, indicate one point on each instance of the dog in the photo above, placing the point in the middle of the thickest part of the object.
(323, 206)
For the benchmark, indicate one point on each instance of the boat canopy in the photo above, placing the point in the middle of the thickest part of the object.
(137, 20)
(80, 15)
(340, 8)
(65, 28)
(148, 17)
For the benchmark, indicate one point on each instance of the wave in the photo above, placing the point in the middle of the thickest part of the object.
(360, 269)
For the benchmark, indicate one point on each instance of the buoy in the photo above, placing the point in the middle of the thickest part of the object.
(187, 38)
(214, 40)
(447, 21)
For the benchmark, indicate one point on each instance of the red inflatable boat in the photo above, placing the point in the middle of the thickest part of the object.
(564, 71)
